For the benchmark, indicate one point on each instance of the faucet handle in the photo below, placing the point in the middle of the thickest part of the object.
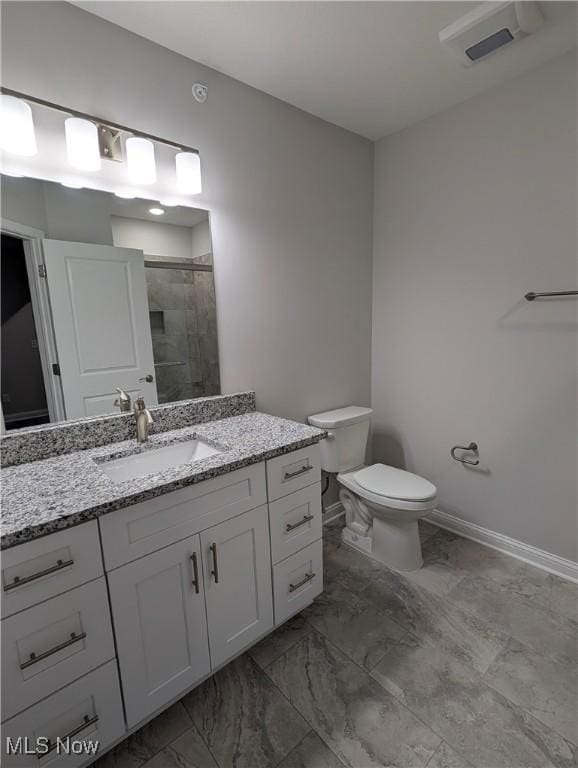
(123, 400)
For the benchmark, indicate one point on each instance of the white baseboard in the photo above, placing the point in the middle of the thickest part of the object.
(567, 569)
(332, 512)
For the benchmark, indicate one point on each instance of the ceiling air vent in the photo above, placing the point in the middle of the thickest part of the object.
(489, 27)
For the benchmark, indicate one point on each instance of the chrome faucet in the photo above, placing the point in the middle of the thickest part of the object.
(123, 400)
(143, 420)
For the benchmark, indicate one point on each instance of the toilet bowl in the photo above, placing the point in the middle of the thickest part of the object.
(382, 504)
(382, 508)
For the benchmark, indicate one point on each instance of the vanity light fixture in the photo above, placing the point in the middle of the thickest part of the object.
(17, 135)
(82, 144)
(89, 141)
(188, 167)
(140, 158)
(156, 211)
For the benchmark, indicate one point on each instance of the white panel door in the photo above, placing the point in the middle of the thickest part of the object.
(100, 314)
(237, 569)
(158, 608)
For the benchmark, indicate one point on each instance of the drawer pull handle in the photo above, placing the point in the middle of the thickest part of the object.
(215, 571)
(304, 580)
(18, 582)
(291, 526)
(302, 471)
(36, 657)
(86, 722)
(195, 581)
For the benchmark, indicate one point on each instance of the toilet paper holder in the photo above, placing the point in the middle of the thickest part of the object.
(471, 448)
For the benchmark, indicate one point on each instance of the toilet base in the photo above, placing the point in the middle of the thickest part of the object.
(395, 545)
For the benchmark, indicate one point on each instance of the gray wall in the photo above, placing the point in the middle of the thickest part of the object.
(473, 208)
(290, 199)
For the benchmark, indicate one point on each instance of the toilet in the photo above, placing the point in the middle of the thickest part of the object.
(382, 504)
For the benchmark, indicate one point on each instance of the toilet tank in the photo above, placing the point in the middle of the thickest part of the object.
(348, 429)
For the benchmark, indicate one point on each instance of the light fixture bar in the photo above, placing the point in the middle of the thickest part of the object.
(95, 119)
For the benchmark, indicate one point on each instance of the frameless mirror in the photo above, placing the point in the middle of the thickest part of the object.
(101, 294)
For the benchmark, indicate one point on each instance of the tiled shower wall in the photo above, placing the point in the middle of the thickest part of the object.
(183, 320)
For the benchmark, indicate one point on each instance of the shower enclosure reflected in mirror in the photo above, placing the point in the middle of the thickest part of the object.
(101, 293)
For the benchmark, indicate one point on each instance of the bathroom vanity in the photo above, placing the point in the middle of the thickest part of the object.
(120, 595)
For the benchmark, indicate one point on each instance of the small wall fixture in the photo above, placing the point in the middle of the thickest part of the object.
(188, 168)
(156, 211)
(82, 144)
(17, 134)
(140, 158)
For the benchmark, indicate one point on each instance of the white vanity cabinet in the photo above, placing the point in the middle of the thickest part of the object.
(158, 608)
(192, 578)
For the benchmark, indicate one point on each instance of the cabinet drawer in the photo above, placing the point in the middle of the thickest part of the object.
(45, 567)
(88, 711)
(297, 580)
(295, 521)
(293, 471)
(54, 643)
(146, 527)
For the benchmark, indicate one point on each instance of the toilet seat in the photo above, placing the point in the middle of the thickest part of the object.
(392, 483)
(349, 480)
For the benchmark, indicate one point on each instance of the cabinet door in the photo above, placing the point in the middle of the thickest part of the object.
(237, 568)
(158, 607)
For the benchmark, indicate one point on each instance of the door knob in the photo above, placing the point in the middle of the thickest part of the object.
(148, 378)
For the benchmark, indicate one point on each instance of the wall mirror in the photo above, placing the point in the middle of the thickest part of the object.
(101, 292)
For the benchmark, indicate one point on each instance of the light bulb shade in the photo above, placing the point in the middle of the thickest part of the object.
(140, 158)
(17, 134)
(188, 167)
(82, 144)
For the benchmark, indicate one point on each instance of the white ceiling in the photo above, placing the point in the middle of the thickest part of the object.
(370, 67)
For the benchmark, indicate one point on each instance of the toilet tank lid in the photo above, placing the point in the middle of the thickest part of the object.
(341, 417)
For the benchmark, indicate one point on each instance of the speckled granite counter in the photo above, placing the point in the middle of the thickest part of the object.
(42, 497)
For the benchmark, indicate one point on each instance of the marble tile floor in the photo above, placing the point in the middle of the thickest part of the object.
(471, 661)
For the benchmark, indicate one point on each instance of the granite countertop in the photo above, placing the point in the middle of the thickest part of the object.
(42, 497)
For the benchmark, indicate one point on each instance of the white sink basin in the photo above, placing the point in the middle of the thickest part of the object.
(156, 460)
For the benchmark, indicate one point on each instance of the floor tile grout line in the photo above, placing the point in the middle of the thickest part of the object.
(202, 738)
(482, 682)
(365, 672)
(312, 729)
(410, 632)
(531, 714)
(477, 673)
(401, 703)
(293, 748)
(298, 640)
(146, 760)
(497, 583)
(525, 600)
